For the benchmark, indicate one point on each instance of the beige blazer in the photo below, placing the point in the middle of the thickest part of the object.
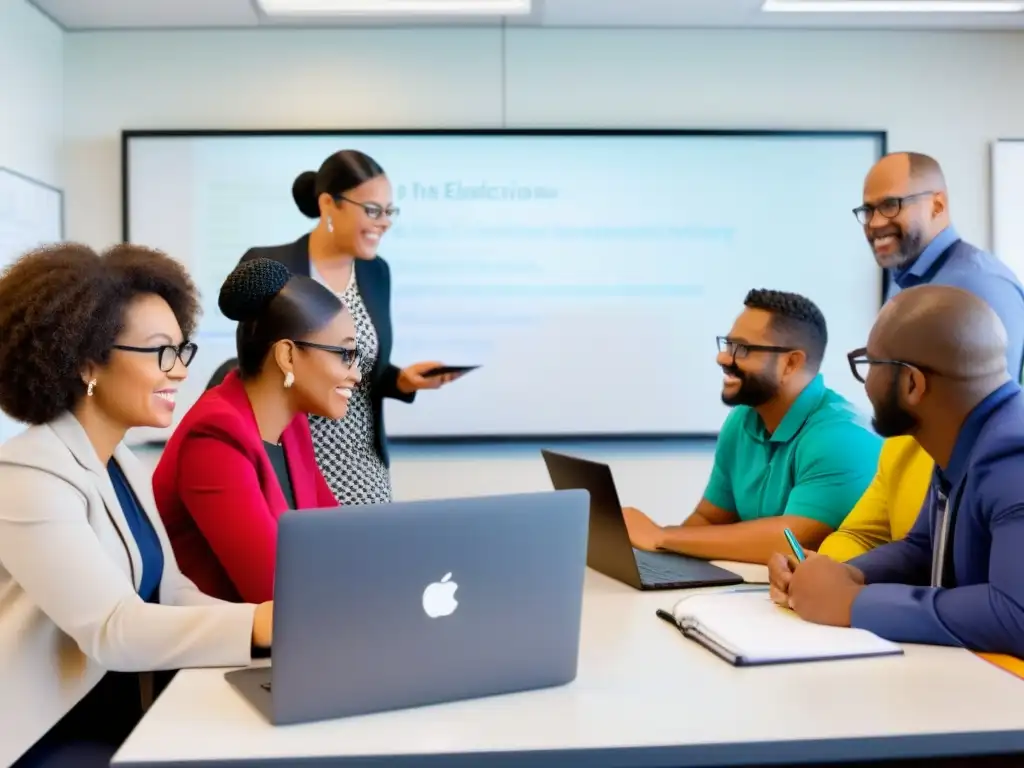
(69, 571)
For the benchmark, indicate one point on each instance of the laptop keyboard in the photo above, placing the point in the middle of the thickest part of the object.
(656, 573)
(661, 568)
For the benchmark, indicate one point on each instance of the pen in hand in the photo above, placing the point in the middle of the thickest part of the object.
(798, 551)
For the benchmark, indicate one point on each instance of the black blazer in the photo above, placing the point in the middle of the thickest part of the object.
(374, 279)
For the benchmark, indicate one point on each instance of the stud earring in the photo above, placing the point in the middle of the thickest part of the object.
(289, 379)
(330, 225)
(89, 389)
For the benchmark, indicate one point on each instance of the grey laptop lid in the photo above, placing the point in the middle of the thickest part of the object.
(386, 606)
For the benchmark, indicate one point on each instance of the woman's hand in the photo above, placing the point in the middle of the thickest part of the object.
(263, 625)
(411, 379)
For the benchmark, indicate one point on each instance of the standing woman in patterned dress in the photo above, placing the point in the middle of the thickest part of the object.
(352, 199)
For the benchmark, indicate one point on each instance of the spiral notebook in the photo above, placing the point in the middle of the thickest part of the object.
(745, 628)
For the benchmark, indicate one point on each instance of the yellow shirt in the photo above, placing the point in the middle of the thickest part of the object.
(890, 505)
(1012, 665)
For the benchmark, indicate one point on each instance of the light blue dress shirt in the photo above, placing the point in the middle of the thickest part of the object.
(948, 260)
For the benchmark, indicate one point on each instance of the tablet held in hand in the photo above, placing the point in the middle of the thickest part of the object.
(442, 370)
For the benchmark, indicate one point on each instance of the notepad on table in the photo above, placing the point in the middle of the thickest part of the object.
(747, 629)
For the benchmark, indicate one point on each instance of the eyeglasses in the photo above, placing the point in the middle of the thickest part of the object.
(167, 354)
(349, 357)
(860, 364)
(890, 207)
(740, 350)
(373, 210)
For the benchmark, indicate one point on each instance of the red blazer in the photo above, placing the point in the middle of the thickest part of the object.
(220, 499)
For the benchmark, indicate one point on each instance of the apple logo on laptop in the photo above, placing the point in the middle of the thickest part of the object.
(439, 597)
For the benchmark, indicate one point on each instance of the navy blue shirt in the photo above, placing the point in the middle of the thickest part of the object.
(981, 604)
(143, 533)
(948, 260)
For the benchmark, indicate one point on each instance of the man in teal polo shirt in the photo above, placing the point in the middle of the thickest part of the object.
(792, 453)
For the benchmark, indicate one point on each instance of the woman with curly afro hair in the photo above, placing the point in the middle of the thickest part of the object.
(91, 346)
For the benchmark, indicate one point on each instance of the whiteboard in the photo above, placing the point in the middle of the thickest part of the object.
(31, 213)
(1008, 202)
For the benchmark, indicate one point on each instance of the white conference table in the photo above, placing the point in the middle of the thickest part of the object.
(644, 696)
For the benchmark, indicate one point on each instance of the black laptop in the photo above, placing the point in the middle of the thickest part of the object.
(609, 549)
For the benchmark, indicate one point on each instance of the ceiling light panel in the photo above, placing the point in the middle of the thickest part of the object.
(394, 7)
(893, 6)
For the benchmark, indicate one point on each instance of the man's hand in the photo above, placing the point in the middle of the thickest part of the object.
(822, 591)
(780, 571)
(644, 533)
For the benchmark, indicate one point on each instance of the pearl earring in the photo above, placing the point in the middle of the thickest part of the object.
(289, 379)
(89, 389)
(330, 224)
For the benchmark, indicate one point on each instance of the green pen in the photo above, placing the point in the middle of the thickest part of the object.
(798, 551)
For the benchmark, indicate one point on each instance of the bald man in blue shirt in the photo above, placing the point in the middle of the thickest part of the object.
(934, 367)
(905, 214)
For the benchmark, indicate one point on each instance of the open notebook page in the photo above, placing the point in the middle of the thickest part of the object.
(752, 627)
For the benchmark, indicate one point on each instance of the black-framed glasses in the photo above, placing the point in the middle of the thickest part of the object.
(373, 210)
(890, 207)
(167, 354)
(740, 349)
(349, 356)
(861, 362)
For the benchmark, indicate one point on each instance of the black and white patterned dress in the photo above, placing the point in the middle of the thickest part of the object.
(345, 448)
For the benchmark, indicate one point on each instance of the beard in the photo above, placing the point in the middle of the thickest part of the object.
(754, 390)
(909, 245)
(891, 419)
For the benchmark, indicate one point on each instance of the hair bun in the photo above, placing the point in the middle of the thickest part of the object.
(250, 287)
(305, 196)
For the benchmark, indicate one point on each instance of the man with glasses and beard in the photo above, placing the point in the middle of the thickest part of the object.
(934, 368)
(905, 215)
(791, 454)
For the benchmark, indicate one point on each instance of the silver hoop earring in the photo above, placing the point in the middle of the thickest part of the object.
(289, 379)
(330, 225)
(89, 389)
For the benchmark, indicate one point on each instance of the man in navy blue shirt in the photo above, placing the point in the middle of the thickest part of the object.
(934, 367)
(905, 215)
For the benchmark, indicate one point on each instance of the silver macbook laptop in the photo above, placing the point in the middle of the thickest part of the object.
(387, 606)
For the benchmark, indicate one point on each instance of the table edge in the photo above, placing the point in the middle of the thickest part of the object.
(895, 747)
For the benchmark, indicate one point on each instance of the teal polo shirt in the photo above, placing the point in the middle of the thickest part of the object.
(816, 464)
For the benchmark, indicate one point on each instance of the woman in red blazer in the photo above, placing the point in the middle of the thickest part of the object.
(243, 454)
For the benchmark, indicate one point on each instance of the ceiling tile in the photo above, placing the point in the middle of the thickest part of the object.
(747, 13)
(113, 14)
(649, 13)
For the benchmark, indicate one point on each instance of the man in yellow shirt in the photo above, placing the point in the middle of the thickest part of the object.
(889, 506)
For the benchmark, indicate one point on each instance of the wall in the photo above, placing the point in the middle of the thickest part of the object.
(31, 113)
(31, 92)
(943, 93)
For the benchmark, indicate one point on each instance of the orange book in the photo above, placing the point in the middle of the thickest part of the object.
(1011, 664)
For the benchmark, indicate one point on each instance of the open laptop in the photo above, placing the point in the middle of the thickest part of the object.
(388, 606)
(610, 551)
